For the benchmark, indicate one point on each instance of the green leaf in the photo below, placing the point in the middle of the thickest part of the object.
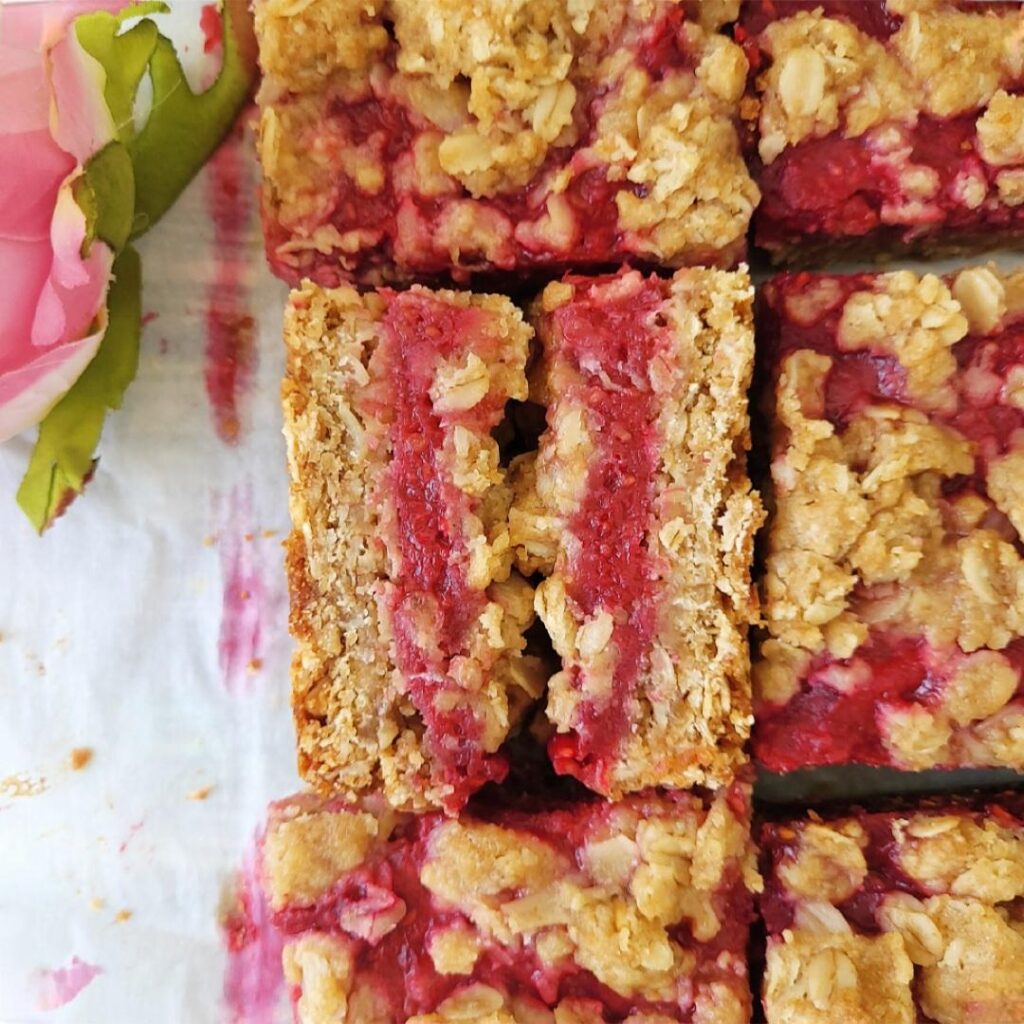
(184, 128)
(124, 57)
(106, 194)
(64, 455)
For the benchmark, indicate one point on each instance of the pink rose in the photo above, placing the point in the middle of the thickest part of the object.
(52, 119)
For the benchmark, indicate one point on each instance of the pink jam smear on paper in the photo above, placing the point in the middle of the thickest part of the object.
(230, 325)
(254, 978)
(59, 986)
(244, 600)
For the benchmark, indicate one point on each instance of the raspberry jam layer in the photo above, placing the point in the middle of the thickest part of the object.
(822, 723)
(834, 189)
(430, 597)
(841, 191)
(779, 843)
(398, 967)
(610, 345)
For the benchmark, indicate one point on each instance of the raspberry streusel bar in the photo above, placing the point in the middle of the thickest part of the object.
(404, 138)
(894, 583)
(897, 917)
(409, 672)
(563, 914)
(639, 510)
(887, 125)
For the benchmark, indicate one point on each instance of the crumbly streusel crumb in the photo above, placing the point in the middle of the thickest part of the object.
(828, 75)
(592, 894)
(517, 133)
(896, 515)
(926, 927)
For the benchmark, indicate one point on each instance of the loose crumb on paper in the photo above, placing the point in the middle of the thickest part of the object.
(80, 757)
(97, 903)
(59, 986)
(201, 793)
(121, 916)
(22, 784)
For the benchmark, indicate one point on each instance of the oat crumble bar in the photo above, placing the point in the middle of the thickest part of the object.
(639, 512)
(409, 672)
(551, 914)
(886, 125)
(894, 582)
(894, 918)
(403, 138)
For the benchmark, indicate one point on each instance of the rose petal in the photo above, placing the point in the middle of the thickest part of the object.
(24, 268)
(30, 392)
(32, 170)
(82, 123)
(23, 78)
(26, 25)
(76, 288)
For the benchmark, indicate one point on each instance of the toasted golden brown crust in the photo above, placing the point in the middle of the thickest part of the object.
(359, 723)
(688, 715)
(887, 126)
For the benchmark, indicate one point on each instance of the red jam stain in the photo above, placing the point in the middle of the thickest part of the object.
(399, 967)
(610, 343)
(254, 977)
(821, 725)
(230, 325)
(430, 582)
(58, 987)
(212, 27)
(251, 599)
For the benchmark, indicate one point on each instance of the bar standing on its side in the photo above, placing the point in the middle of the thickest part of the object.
(639, 511)
(409, 672)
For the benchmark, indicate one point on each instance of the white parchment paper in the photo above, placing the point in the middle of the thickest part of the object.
(148, 627)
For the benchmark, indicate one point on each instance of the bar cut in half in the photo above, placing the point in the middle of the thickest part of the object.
(409, 138)
(409, 672)
(592, 913)
(639, 512)
(887, 126)
(897, 917)
(894, 582)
